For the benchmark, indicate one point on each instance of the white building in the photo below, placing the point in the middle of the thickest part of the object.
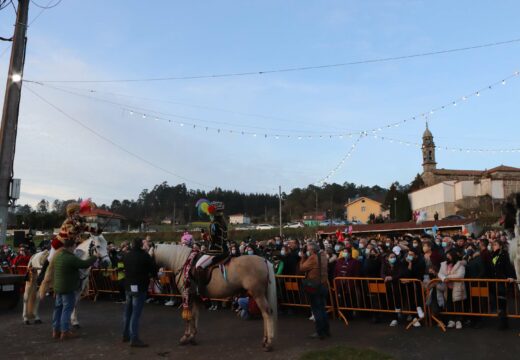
(448, 196)
(239, 219)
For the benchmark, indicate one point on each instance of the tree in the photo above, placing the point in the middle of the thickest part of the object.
(417, 183)
(43, 206)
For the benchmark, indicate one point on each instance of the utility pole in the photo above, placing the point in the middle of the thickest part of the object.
(10, 112)
(280, 208)
(173, 220)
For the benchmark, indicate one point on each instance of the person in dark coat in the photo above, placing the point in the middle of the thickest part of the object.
(391, 272)
(501, 268)
(372, 264)
(291, 259)
(139, 268)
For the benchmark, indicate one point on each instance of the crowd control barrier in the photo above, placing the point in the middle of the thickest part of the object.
(484, 298)
(290, 293)
(375, 295)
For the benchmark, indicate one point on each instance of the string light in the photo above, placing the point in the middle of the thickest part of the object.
(448, 148)
(341, 162)
(295, 133)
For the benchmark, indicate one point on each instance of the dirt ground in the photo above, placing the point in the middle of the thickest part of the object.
(224, 336)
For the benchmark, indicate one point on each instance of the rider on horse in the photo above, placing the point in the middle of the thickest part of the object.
(218, 230)
(72, 228)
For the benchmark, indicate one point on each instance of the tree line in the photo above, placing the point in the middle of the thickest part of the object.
(177, 203)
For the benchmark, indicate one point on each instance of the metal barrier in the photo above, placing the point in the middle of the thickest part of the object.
(104, 281)
(164, 286)
(290, 292)
(484, 298)
(376, 295)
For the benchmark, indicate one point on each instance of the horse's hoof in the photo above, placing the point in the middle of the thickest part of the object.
(184, 341)
(38, 321)
(76, 326)
(268, 347)
(27, 322)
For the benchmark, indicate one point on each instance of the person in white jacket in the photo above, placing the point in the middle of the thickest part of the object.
(454, 291)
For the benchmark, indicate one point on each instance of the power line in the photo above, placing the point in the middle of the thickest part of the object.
(294, 134)
(42, 9)
(48, 6)
(111, 142)
(294, 69)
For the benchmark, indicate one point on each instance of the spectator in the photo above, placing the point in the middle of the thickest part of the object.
(22, 258)
(65, 284)
(372, 265)
(454, 292)
(501, 268)
(139, 269)
(432, 257)
(316, 273)
(391, 272)
(291, 258)
(485, 255)
(346, 266)
(332, 260)
(415, 268)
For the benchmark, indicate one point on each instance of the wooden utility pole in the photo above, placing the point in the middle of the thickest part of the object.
(10, 112)
(280, 207)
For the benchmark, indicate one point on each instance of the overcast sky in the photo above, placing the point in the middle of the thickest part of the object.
(98, 40)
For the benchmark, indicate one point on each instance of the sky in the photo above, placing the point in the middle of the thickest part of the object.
(99, 150)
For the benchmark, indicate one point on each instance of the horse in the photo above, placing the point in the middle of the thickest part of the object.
(31, 297)
(94, 244)
(251, 273)
(512, 225)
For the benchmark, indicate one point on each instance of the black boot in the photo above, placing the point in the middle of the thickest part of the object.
(40, 278)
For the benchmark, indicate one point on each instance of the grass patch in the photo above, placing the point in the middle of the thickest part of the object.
(345, 353)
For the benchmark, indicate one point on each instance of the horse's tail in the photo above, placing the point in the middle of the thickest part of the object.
(271, 296)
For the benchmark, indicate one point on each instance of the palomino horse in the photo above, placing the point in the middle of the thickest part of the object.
(251, 273)
(31, 298)
(96, 245)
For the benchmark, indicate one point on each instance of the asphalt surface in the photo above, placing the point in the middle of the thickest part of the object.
(223, 336)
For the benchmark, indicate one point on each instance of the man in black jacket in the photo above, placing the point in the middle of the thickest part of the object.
(139, 269)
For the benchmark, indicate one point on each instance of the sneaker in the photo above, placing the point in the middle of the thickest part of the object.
(312, 318)
(169, 303)
(416, 323)
(393, 323)
(458, 325)
(420, 312)
(149, 300)
(451, 324)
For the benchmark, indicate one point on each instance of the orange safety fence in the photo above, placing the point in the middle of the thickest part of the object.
(290, 293)
(110, 281)
(403, 296)
(483, 297)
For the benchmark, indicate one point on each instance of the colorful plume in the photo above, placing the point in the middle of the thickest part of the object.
(86, 206)
(203, 206)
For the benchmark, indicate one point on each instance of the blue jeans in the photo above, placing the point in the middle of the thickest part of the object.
(63, 307)
(243, 305)
(321, 320)
(133, 309)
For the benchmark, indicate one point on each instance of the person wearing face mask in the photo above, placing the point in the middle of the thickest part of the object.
(347, 266)
(290, 257)
(372, 265)
(431, 255)
(391, 272)
(485, 254)
(315, 270)
(454, 292)
(415, 269)
(233, 251)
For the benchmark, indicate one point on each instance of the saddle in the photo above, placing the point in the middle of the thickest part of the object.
(205, 264)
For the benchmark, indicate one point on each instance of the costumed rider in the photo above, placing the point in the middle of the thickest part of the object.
(72, 228)
(187, 239)
(218, 230)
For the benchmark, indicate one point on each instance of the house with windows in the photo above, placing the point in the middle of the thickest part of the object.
(239, 219)
(104, 219)
(359, 209)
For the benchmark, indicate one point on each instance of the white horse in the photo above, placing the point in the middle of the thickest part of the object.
(96, 245)
(514, 245)
(31, 297)
(251, 273)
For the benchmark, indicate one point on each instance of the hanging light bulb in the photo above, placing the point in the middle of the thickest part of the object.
(144, 116)
(503, 82)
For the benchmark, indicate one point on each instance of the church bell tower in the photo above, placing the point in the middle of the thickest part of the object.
(428, 151)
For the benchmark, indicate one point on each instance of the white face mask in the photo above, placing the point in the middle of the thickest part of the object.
(282, 252)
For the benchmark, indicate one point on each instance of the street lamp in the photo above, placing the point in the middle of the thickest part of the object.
(395, 207)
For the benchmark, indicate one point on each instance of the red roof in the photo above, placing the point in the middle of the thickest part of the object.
(476, 172)
(405, 226)
(103, 213)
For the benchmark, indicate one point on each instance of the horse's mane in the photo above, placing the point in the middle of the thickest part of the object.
(172, 257)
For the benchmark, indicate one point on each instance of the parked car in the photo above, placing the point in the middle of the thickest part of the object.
(264, 227)
(293, 225)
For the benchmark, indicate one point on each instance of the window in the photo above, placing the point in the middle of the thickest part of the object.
(363, 209)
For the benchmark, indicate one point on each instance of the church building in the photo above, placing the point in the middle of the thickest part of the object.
(447, 191)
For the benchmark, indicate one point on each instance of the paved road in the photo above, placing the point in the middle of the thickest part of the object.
(223, 336)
